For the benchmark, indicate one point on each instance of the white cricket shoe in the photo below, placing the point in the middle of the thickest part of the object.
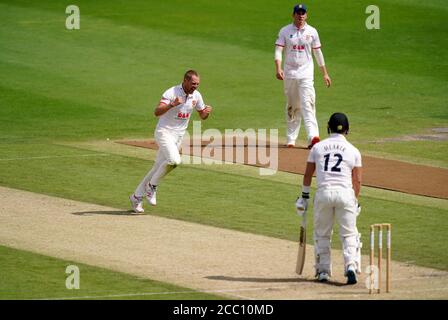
(323, 277)
(136, 203)
(351, 275)
(151, 192)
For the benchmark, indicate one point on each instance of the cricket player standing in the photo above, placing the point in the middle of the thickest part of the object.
(338, 171)
(174, 110)
(297, 40)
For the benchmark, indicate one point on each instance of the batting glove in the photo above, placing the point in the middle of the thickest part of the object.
(358, 209)
(302, 203)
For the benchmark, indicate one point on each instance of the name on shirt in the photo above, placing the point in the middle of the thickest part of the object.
(334, 147)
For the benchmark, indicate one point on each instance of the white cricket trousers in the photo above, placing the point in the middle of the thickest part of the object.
(168, 157)
(339, 203)
(300, 103)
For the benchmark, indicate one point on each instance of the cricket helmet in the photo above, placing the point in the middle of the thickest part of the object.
(338, 123)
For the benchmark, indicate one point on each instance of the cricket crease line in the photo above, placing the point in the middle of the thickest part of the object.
(243, 297)
(51, 157)
(162, 293)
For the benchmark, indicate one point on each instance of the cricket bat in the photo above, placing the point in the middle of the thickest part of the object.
(302, 246)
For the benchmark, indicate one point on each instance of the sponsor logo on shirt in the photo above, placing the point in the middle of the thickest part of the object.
(298, 47)
(182, 116)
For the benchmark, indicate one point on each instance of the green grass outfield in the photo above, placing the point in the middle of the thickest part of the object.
(41, 277)
(59, 88)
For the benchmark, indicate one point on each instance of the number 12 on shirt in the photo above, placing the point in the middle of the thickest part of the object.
(336, 167)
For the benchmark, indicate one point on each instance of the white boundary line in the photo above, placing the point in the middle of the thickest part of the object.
(51, 157)
(165, 293)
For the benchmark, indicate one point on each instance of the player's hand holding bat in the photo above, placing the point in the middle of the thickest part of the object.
(302, 203)
(358, 209)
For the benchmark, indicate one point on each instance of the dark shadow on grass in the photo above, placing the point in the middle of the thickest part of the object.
(282, 280)
(114, 213)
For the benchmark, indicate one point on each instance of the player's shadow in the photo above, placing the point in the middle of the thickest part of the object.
(107, 212)
(275, 280)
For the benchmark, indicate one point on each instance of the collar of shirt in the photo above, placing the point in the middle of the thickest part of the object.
(184, 94)
(298, 29)
(337, 136)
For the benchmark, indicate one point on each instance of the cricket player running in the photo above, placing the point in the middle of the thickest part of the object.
(174, 111)
(297, 40)
(338, 170)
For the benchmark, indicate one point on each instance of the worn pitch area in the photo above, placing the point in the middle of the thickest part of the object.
(205, 258)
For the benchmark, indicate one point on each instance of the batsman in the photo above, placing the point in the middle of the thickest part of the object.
(338, 171)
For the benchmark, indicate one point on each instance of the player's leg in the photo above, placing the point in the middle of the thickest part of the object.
(292, 111)
(351, 240)
(140, 191)
(136, 198)
(308, 110)
(169, 144)
(323, 229)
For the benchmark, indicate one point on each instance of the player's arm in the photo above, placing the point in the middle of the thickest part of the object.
(164, 106)
(356, 180)
(302, 201)
(309, 171)
(278, 62)
(204, 113)
(319, 56)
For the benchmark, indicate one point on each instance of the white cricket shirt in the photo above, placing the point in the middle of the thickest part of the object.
(177, 118)
(335, 159)
(298, 45)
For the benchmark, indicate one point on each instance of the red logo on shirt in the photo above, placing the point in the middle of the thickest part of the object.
(193, 103)
(297, 47)
(182, 116)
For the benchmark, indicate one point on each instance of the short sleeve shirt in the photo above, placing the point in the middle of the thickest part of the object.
(298, 45)
(177, 118)
(335, 159)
